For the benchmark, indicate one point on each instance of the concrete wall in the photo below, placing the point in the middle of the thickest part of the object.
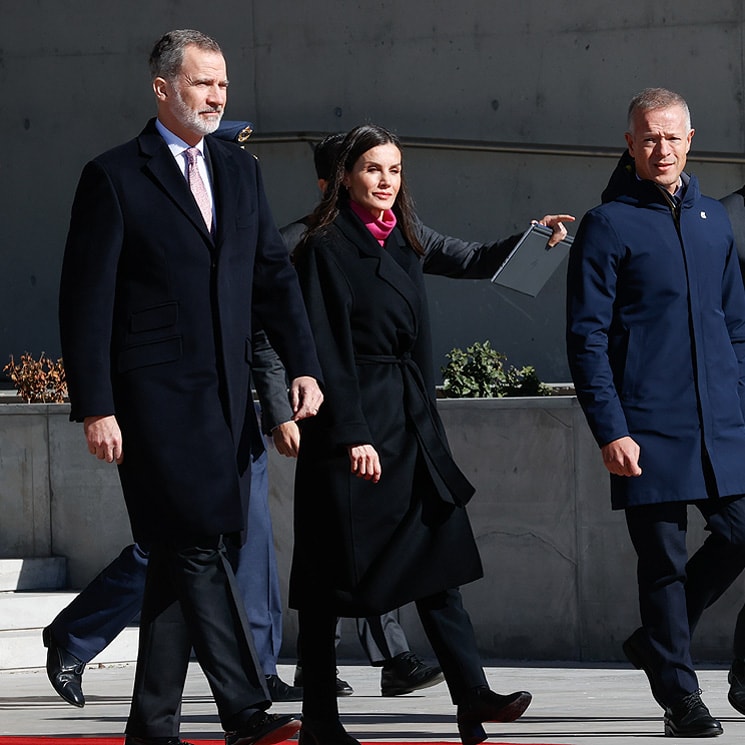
(532, 72)
(559, 568)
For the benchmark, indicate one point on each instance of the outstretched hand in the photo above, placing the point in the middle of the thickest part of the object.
(556, 223)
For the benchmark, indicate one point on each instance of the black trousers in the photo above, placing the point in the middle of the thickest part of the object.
(675, 590)
(446, 624)
(191, 601)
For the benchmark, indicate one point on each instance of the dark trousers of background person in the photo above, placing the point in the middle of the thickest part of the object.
(446, 624)
(191, 601)
(381, 637)
(113, 598)
(673, 588)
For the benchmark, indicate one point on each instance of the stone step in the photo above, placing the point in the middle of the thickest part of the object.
(46, 573)
(24, 649)
(24, 614)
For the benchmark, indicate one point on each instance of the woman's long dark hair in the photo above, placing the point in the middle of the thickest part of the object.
(357, 142)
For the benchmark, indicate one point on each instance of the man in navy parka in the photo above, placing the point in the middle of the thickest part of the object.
(656, 346)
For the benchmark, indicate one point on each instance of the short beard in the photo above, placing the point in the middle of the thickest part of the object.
(192, 120)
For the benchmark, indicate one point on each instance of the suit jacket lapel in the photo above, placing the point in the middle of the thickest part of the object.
(164, 169)
(225, 176)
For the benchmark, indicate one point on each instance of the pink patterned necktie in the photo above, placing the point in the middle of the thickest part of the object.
(198, 189)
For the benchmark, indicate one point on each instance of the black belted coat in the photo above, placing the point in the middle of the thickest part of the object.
(363, 548)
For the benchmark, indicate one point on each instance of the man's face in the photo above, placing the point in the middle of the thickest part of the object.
(192, 104)
(658, 142)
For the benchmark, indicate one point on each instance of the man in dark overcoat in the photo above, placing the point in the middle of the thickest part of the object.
(171, 251)
(656, 345)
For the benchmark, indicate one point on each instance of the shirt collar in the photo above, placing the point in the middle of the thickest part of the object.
(175, 144)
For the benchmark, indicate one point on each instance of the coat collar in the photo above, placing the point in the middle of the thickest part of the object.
(400, 274)
(164, 169)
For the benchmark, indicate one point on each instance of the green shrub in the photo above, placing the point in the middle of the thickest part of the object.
(479, 372)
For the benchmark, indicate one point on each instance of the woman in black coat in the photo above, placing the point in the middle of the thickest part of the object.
(380, 515)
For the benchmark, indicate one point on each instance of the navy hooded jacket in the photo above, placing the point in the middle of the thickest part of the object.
(656, 338)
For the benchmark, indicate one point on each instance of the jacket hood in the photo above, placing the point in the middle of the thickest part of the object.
(624, 186)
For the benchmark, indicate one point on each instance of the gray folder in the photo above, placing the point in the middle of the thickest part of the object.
(531, 262)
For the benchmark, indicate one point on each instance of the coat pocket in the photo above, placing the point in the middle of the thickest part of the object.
(157, 317)
(151, 353)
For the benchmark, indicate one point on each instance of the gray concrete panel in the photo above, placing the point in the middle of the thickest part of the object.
(88, 513)
(521, 72)
(25, 527)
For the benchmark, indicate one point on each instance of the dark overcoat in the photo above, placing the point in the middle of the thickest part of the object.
(156, 324)
(363, 548)
(656, 339)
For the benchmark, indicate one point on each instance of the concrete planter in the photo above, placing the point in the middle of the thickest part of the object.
(559, 568)
(56, 499)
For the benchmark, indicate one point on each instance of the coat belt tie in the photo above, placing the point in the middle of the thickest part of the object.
(450, 483)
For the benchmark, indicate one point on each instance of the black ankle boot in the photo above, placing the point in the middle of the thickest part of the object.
(482, 705)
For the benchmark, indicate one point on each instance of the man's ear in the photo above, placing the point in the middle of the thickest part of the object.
(160, 88)
(629, 143)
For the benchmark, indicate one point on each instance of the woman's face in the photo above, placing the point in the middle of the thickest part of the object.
(375, 178)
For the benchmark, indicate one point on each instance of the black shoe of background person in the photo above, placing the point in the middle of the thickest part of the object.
(638, 652)
(132, 740)
(342, 687)
(265, 729)
(280, 691)
(64, 670)
(736, 679)
(316, 732)
(482, 705)
(689, 717)
(406, 673)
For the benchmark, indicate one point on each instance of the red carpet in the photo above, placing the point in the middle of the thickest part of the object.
(40, 740)
(34, 740)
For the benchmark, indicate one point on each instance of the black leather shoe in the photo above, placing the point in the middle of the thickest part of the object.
(325, 733)
(406, 673)
(638, 652)
(689, 717)
(483, 705)
(64, 670)
(342, 687)
(736, 678)
(265, 729)
(280, 691)
(131, 740)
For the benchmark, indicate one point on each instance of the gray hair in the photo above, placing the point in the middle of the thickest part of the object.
(168, 53)
(656, 98)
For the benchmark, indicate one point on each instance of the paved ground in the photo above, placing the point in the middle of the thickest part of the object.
(580, 705)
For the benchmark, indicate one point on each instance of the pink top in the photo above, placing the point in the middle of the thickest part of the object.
(379, 227)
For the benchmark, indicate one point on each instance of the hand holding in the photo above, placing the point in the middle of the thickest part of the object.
(556, 223)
